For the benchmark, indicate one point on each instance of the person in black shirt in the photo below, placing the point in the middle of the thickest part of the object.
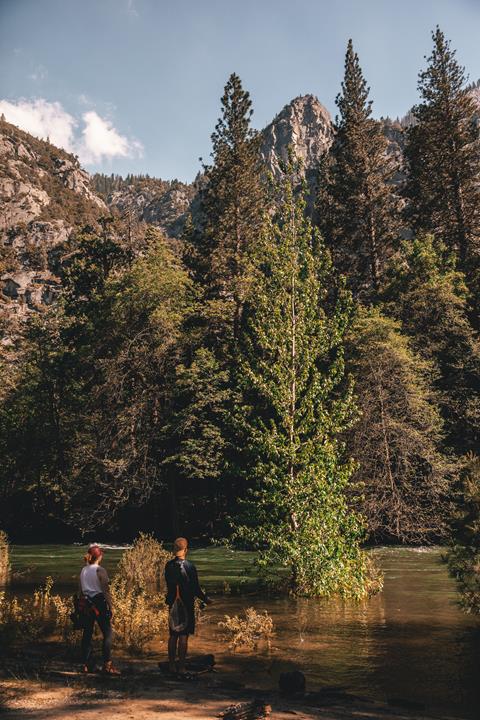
(182, 574)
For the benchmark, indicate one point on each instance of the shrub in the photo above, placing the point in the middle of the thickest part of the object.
(142, 567)
(137, 616)
(248, 629)
(464, 553)
(29, 618)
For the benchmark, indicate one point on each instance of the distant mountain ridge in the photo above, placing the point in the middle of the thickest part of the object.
(45, 195)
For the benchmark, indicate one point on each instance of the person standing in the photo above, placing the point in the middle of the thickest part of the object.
(94, 586)
(182, 580)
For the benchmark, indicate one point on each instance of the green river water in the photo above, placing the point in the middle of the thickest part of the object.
(411, 643)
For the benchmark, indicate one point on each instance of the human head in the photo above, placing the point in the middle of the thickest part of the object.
(94, 554)
(180, 546)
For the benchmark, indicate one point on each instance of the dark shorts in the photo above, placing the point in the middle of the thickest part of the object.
(190, 629)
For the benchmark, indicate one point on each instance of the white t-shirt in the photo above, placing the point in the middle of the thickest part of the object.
(89, 580)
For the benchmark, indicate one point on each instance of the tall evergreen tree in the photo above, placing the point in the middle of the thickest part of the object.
(429, 295)
(464, 553)
(357, 205)
(232, 206)
(443, 155)
(397, 440)
(293, 373)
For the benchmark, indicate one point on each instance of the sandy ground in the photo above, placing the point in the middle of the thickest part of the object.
(144, 693)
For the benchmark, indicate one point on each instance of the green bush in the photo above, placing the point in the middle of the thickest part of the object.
(464, 554)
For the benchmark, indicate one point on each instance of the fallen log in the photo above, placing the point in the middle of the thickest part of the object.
(253, 710)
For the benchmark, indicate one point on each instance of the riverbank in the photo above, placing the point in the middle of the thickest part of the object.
(53, 691)
(410, 642)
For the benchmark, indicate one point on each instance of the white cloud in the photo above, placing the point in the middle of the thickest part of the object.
(97, 141)
(42, 119)
(101, 141)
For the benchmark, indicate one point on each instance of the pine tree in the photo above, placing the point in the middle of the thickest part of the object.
(293, 374)
(232, 205)
(357, 206)
(464, 553)
(429, 295)
(397, 441)
(443, 156)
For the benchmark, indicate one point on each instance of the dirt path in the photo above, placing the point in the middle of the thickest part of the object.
(147, 695)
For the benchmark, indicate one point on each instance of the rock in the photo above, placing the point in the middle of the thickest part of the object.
(162, 204)
(292, 682)
(29, 289)
(306, 125)
(76, 179)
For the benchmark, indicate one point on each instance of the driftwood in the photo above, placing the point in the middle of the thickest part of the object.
(254, 710)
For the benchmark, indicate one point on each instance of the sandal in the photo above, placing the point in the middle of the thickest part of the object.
(110, 669)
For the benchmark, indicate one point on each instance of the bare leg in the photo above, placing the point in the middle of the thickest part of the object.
(172, 652)
(182, 652)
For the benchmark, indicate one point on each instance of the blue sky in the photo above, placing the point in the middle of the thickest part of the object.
(134, 85)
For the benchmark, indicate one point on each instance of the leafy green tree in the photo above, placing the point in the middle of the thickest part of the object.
(121, 446)
(196, 466)
(429, 295)
(398, 437)
(358, 209)
(298, 402)
(442, 155)
(37, 423)
(464, 553)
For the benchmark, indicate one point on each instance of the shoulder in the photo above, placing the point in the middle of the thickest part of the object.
(101, 572)
(170, 564)
(190, 566)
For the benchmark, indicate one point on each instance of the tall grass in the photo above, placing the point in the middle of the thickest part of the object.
(139, 611)
(142, 567)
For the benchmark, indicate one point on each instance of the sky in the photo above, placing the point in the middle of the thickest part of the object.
(134, 86)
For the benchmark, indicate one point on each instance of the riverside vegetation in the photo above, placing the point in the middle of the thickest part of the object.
(298, 373)
(140, 615)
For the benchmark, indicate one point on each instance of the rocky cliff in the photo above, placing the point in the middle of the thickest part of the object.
(164, 204)
(306, 125)
(44, 196)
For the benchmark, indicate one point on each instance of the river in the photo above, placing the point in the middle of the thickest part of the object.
(411, 643)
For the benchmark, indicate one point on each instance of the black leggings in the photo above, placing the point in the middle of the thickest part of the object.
(104, 623)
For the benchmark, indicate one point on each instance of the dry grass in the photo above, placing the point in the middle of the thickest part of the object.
(248, 629)
(29, 618)
(137, 616)
(142, 567)
(4, 557)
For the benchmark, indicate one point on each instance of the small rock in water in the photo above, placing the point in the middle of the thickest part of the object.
(292, 682)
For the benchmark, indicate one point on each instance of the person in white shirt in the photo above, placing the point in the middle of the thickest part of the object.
(94, 586)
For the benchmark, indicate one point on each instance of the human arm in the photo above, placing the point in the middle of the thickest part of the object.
(105, 585)
(171, 584)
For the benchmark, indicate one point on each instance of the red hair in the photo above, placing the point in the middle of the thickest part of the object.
(94, 553)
